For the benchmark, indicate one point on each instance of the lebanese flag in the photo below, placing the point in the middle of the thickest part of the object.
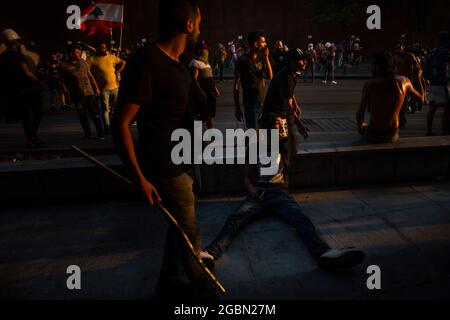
(102, 16)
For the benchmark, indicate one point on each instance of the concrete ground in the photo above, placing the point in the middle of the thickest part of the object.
(404, 229)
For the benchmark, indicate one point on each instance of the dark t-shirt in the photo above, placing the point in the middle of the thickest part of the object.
(279, 61)
(252, 78)
(162, 87)
(436, 66)
(12, 78)
(281, 88)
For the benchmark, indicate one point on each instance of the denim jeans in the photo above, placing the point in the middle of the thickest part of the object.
(329, 71)
(89, 105)
(178, 198)
(276, 202)
(251, 113)
(309, 69)
(109, 100)
(31, 111)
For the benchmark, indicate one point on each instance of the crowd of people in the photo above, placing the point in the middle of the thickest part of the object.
(167, 83)
(88, 77)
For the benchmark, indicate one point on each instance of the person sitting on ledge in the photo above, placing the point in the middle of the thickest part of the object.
(266, 194)
(384, 96)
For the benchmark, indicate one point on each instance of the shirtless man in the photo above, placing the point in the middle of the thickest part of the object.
(407, 65)
(385, 94)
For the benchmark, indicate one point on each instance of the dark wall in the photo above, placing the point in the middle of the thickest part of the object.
(290, 20)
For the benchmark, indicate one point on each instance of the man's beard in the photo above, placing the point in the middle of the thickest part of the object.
(191, 41)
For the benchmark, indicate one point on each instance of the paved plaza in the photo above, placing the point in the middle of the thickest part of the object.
(404, 229)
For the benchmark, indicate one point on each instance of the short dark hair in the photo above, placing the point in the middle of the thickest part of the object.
(254, 37)
(173, 14)
(98, 43)
(385, 61)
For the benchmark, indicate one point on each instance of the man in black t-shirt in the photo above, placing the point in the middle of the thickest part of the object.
(250, 70)
(155, 90)
(280, 95)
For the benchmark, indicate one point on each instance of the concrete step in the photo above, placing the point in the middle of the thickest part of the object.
(344, 163)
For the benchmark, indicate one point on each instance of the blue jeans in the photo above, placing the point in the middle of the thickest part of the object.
(251, 113)
(276, 202)
(89, 105)
(329, 71)
(109, 100)
(309, 69)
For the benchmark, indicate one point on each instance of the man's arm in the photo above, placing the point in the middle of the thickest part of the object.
(120, 65)
(268, 64)
(94, 83)
(362, 109)
(198, 89)
(417, 95)
(237, 82)
(123, 140)
(27, 72)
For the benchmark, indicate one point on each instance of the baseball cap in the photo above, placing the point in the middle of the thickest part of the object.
(10, 35)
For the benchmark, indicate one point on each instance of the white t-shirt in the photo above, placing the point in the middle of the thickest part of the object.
(205, 70)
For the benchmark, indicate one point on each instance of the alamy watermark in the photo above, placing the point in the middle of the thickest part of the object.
(260, 150)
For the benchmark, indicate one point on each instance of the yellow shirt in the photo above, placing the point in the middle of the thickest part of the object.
(104, 71)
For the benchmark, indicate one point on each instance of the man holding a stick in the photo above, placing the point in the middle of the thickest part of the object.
(155, 91)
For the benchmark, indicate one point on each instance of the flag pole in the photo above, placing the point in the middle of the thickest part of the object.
(121, 28)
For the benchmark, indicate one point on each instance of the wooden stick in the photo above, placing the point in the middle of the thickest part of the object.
(171, 218)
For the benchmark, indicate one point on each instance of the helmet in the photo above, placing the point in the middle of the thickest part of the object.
(10, 35)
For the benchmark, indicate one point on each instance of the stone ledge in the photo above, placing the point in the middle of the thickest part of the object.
(412, 159)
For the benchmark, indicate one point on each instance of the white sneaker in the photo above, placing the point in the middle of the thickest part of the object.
(324, 82)
(333, 82)
(335, 259)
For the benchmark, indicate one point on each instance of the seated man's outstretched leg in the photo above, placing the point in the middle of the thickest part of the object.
(246, 212)
(327, 258)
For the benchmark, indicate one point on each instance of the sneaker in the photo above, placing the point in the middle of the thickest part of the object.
(207, 259)
(335, 259)
(324, 82)
(65, 107)
(333, 82)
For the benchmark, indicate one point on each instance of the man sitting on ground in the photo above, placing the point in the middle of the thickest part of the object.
(266, 194)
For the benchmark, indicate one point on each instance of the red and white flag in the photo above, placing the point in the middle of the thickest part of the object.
(102, 16)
